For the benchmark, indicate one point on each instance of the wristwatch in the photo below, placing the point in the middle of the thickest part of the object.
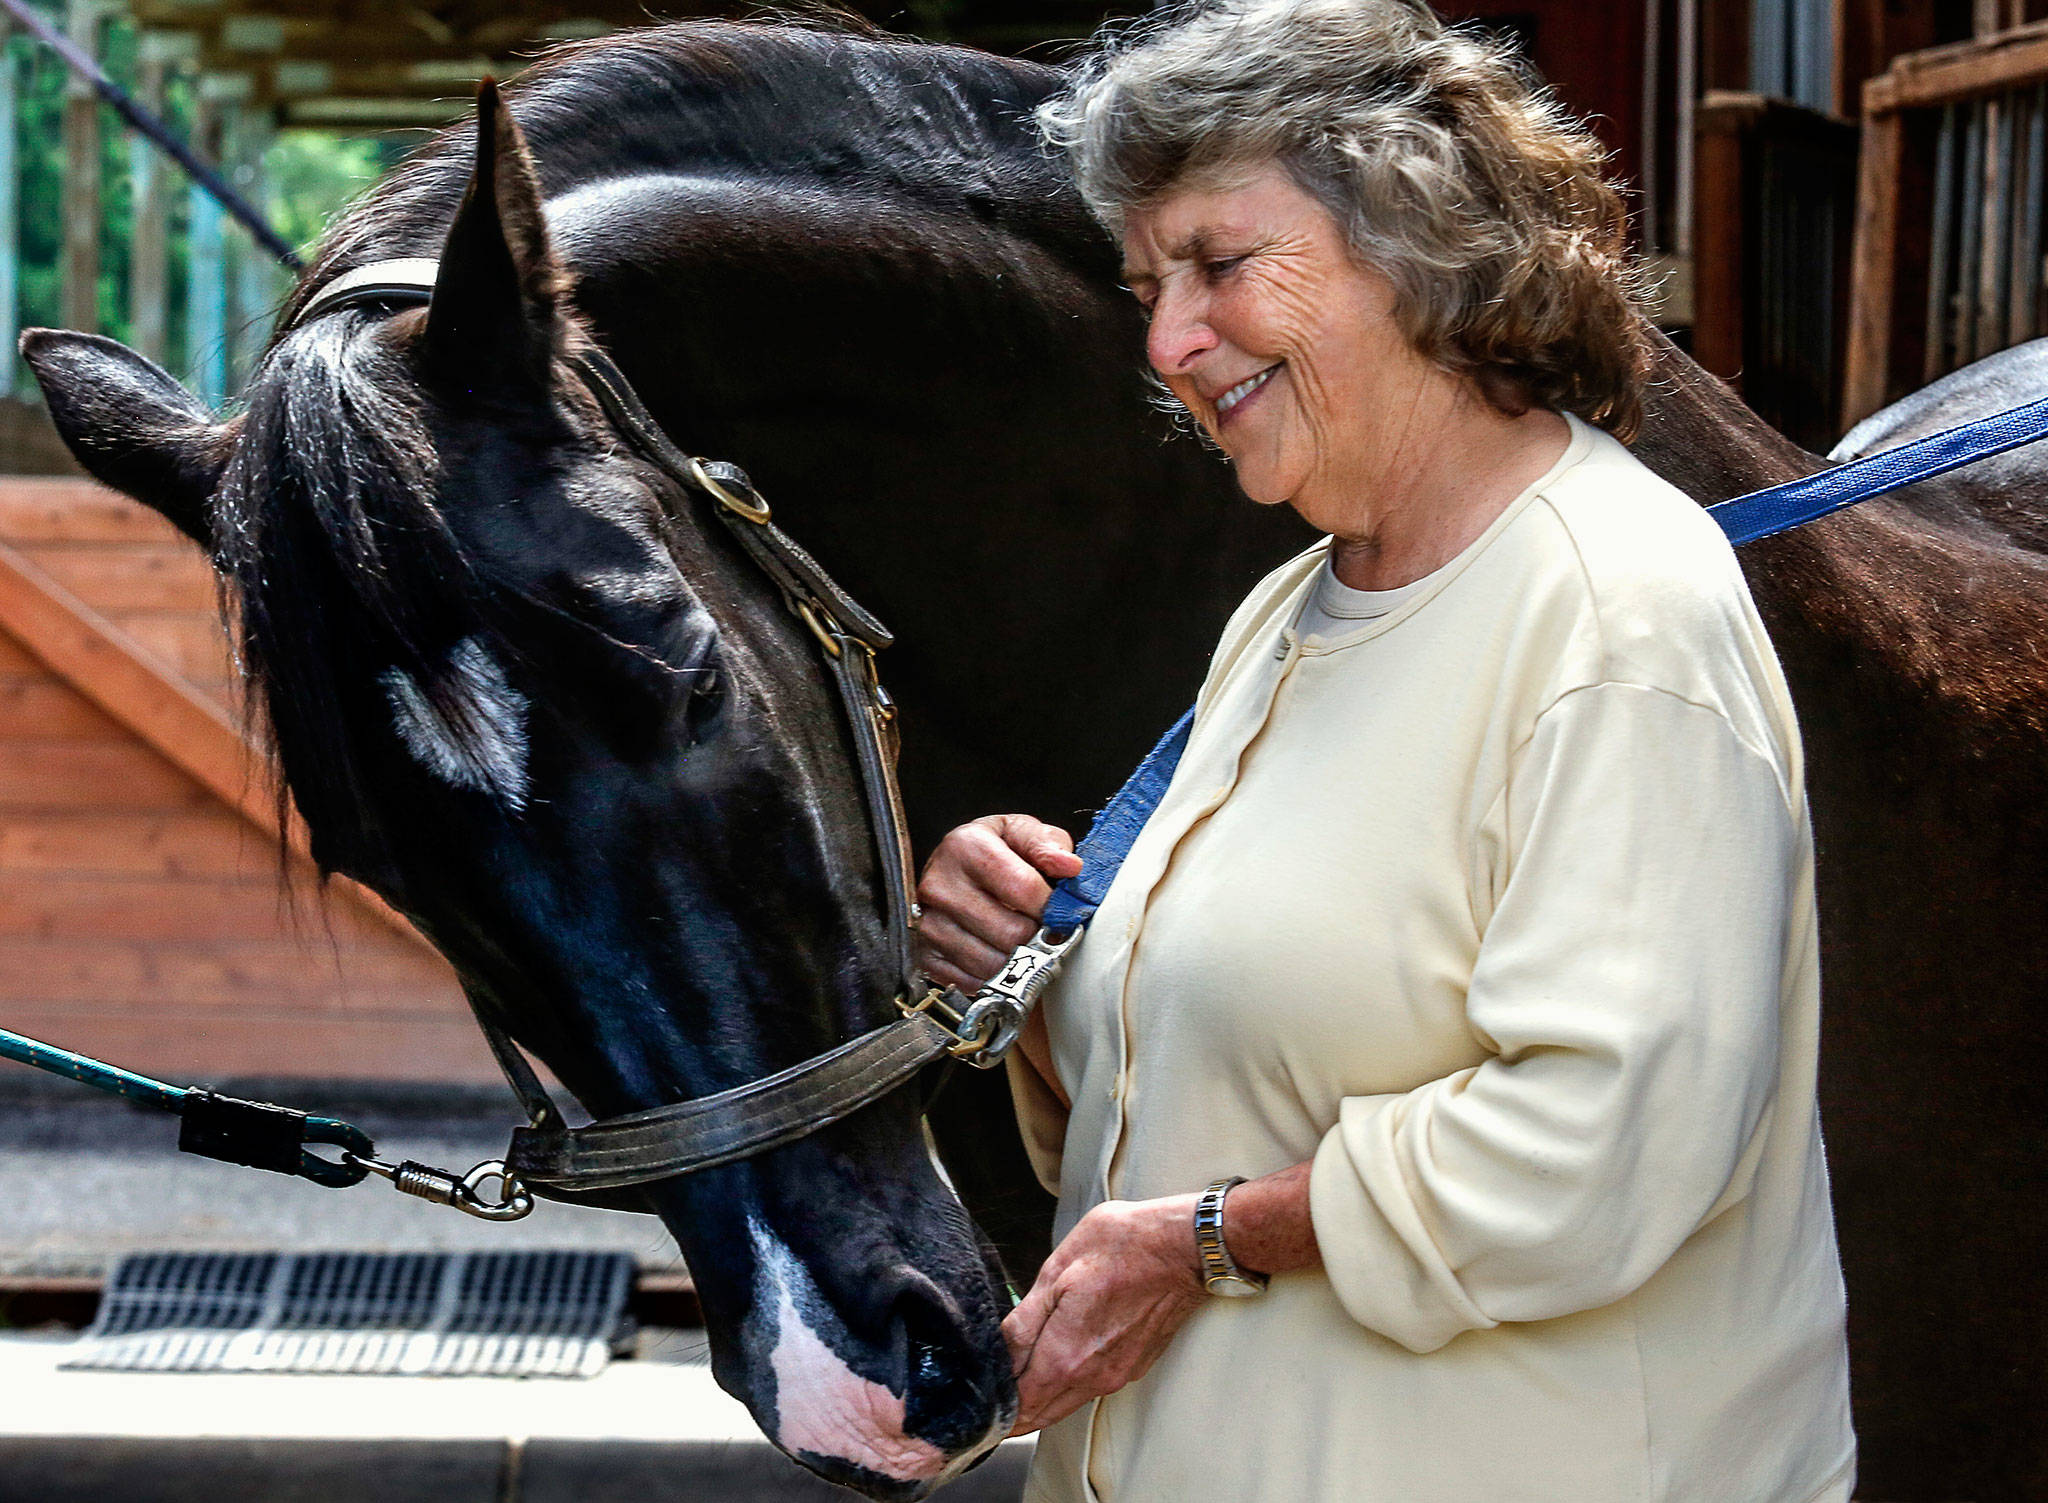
(1220, 1272)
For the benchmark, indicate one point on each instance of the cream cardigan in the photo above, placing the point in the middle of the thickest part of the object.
(1499, 908)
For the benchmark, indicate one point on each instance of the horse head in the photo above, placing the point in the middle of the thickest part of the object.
(520, 687)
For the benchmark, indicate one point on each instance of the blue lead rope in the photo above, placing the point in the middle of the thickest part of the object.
(1760, 514)
(1109, 839)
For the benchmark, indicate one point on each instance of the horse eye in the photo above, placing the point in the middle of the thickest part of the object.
(707, 698)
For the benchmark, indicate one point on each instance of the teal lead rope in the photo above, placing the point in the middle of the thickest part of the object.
(252, 1133)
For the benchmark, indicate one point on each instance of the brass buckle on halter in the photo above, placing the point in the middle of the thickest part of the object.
(731, 500)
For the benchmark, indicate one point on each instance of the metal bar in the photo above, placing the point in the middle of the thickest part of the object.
(1940, 314)
(1811, 66)
(2029, 272)
(255, 294)
(148, 256)
(1969, 252)
(81, 63)
(2024, 165)
(1993, 277)
(206, 313)
(79, 258)
(10, 216)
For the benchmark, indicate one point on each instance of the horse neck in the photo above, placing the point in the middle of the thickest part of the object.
(1698, 435)
(1884, 615)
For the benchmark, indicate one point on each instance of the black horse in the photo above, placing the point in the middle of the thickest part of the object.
(520, 687)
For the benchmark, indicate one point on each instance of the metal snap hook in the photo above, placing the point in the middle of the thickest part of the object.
(509, 1202)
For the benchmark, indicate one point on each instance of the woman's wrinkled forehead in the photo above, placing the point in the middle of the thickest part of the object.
(1221, 218)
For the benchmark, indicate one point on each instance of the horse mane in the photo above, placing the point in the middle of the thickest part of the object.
(808, 99)
(326, 531)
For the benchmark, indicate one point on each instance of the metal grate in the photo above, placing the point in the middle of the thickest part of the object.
(503, 1314)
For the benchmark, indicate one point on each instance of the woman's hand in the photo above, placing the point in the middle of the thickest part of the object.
(1106, 1304)
(982, 892)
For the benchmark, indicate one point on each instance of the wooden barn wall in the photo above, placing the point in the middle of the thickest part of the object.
(142, 918)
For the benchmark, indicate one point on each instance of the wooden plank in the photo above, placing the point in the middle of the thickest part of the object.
(193, 732)
(17, 660)
(201, 843)
(1962, 71)
(48, 709)
(1868, 35)
(93, 774)
(56, 509)
(1874, 264)
(186, 647)
(200, 1048)
(148, 909)
(115, 578)
(193, 974)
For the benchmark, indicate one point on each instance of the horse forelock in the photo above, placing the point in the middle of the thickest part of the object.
(346, 575)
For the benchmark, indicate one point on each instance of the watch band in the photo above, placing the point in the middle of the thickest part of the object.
(1220, 1272)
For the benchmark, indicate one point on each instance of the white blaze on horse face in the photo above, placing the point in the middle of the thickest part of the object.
(486, 750)
(822, 1406)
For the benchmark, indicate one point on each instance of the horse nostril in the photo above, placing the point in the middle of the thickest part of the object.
(953, 1373)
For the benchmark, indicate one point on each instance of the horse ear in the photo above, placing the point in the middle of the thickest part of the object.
(495, 311)
(131, 425)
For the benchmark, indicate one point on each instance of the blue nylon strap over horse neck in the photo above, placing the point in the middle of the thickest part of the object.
(1780, 508)
(1745, 519)
(1109, 839)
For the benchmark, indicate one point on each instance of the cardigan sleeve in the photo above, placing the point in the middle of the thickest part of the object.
(1627, 993)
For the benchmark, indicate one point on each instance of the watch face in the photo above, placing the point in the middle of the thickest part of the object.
(1230, 1286)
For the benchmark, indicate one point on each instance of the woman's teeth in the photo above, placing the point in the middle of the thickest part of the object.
(1243, 389)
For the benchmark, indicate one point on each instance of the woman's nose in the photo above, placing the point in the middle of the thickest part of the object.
(1178, 335)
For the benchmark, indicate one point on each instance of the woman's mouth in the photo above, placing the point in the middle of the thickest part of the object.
(1239, 394)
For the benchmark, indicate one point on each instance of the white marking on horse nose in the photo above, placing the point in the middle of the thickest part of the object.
(476, 738)
(822, 1406)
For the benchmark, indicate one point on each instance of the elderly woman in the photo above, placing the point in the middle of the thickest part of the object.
(1470, 960)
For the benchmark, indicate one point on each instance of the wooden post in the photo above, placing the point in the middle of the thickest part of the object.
(1721, 259)
(205, 283)
(147, 255)
(10, 215)
(80, 274)
(1873, 274)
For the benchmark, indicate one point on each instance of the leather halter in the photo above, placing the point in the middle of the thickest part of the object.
(600, 1163)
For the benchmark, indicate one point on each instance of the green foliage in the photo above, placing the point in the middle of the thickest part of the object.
(305, 177)
(311, 175)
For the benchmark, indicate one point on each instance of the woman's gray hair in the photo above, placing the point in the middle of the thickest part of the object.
(1452, 173)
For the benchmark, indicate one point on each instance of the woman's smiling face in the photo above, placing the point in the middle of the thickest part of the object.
(1278, 340)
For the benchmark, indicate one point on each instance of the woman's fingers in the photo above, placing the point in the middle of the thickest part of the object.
(945, 942)
(983, 890)
(1105, 1306)
(1046, 847)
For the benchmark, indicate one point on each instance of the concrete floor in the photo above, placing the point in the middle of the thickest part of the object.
(652, 1430)
(84, 1177)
